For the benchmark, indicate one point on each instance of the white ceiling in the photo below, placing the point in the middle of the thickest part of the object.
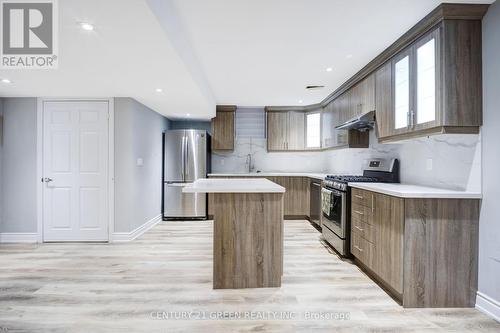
(128, 54)
(243, 52)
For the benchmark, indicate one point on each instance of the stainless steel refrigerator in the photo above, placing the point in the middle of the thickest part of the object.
(186, 159)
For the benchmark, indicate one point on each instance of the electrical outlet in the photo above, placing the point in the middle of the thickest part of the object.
(140, 162)
(428, 165)
(222, 161)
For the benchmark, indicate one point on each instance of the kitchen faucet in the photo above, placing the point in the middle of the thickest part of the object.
(248, 164)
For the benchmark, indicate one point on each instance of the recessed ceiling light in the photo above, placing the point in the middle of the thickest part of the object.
(349, 56)
(188, 115)
(159, 90)
(86, 26)
(6, 81)
(300, 101)
(329, 69)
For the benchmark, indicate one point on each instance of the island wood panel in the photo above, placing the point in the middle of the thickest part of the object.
(248, 240)
(389, 223)
(441, 249)
(223, 130)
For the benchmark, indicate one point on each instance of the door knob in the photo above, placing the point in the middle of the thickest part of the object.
(47, 180)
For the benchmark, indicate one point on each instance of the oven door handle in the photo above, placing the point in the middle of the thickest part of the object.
(339, 193)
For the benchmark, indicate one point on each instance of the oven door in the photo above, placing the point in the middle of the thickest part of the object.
(334, 211)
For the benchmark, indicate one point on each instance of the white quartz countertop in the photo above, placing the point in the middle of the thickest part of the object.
(233, 185)
(416, 191)
(319, 176)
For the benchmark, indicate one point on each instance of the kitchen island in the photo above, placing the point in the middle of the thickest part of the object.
(248, 231)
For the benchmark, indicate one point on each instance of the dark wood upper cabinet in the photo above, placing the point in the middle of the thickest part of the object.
(354, 102)
(277, 131)
(429, 81)
(296, 130)
(435, 84)
(286, 130)
(223, 128)
(362, 97)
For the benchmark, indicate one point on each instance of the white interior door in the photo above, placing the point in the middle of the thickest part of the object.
(75, 171)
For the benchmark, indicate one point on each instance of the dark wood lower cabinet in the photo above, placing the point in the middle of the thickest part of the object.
(424, 251)
(296, 198)
(441, 250)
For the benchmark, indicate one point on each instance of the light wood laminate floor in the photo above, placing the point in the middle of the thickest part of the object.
(135, 286)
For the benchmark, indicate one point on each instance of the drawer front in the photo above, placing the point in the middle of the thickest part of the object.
(365, 230)
(363, 250)
(362, 213)
(362, 197)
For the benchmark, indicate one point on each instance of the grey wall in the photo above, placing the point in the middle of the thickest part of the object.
(191, 124)
(489, 227)
(18, 172)
(138, 134)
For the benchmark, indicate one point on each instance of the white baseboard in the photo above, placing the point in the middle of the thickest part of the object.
(130, 236)
(488, 306)
(18, 237)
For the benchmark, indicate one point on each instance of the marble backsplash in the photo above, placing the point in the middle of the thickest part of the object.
(235, 162)
(447, 161)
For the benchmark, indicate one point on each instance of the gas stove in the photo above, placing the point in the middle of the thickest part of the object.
(376, 171)
(340, 182)
(336, 198)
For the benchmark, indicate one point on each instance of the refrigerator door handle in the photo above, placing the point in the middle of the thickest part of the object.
(186, 166)
(183, 159)
(178, 184)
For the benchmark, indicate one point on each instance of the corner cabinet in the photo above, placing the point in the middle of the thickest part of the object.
(223, 128)
(354, 102)
(433, 86)
(285, 130)
(400, 242)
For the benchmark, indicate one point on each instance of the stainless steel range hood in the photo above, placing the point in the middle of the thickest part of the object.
(363, 122)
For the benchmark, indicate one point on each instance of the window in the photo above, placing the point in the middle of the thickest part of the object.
(250, 123)
(313, 130)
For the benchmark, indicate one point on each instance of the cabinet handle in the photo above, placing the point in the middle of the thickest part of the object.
(373, 203)
(359, 249)
(358, 228)
(358, 196)
(358, 212)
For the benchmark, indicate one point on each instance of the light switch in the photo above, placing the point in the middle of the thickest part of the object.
(140, 162)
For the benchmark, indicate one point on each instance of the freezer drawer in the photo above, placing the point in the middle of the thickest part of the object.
(178, 205)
